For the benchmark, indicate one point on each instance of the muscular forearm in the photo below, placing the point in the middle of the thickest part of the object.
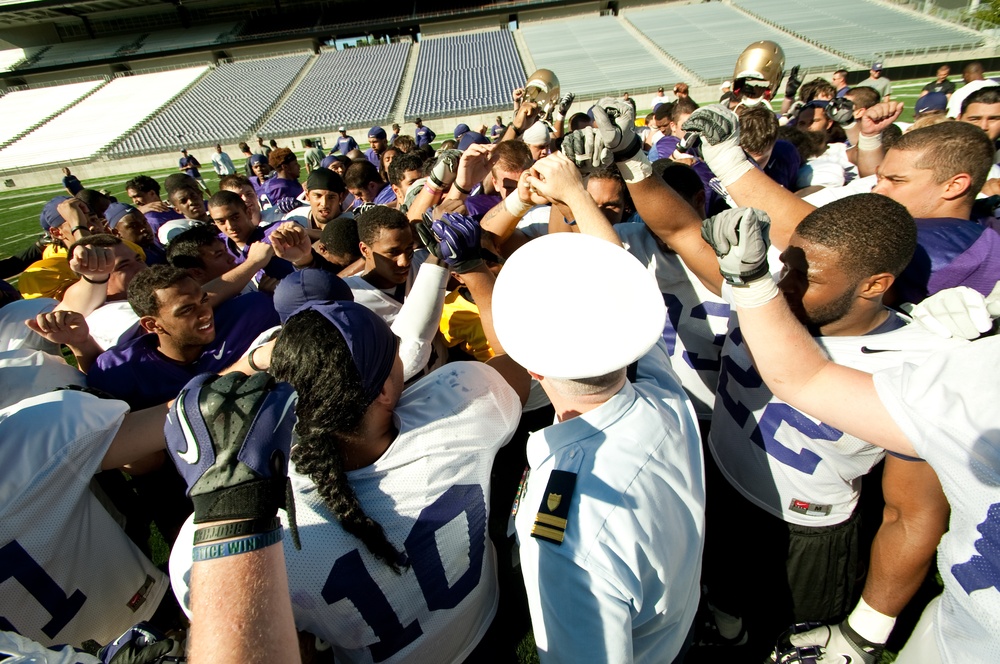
(86, 353)
(915, 518)
(241, 610)
(754, 189)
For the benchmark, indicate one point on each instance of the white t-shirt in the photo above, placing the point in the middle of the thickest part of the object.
(14, 334)
(72, 573)
(947, 407)
(958, 96)
(113, 323)
(429, 491)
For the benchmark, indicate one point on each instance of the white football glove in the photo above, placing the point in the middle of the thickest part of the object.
(719, 131)
(615, 120)
(587, 150)
(740, 240)
(957, 312)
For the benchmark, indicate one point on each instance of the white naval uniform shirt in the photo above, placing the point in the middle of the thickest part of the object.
(69, 573)
(793, 466)
(624, 584)
(429, 491)
(947, 407)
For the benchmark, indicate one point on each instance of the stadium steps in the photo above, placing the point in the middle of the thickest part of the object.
(524, 53)
(65, 108)
(406, 85)
(850, 61)
(692, 79)
(284, 95)
(103, 152)
(952, 25)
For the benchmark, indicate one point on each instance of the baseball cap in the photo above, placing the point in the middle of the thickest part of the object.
(116, 211)
(876, 66)
(341, 128)
(461, 129)
(599, 306)
(376, 132)
(471, 138)
(303, 287)
(50, 217)
(325, 179)
(932, 101)
(537, 134)
(257, 159)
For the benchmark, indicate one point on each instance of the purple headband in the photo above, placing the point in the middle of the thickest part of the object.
(372, 344)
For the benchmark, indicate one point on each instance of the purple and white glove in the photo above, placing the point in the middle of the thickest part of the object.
(230, 437)
(459, 241)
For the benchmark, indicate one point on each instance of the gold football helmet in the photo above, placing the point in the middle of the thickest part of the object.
(759, 70)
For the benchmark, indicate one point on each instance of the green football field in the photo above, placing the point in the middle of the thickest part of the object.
(20, 209)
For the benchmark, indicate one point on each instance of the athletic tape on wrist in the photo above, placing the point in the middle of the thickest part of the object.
(515, 206)
(235, 529)
(236, 547)
(870, 142)
(756, 293)
(870, 624)
(635, 169)
(634, 148)
(730, 175)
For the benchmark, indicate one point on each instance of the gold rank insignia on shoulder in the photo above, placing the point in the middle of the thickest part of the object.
(550, 522)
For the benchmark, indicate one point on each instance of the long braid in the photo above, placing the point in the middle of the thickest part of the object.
(314, 358)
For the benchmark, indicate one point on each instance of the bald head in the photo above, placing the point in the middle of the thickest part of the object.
(973, 72)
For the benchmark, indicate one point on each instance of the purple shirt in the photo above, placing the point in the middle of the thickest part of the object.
(279, 268)
(138, 374)
(978, 267)
(939, 243)
(480, 204)
(783, 167)
(346, 143)
(277, 188)
(385, 196)
(424, 136)
(374, 158)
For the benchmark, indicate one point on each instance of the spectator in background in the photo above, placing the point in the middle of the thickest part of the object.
(395, 133)
(247, 154)
(630, 101)
(378, 143)
(839, 80)
(423, 135)
(285, 183)
(189, 164)
(145, 194)
(345, 143)
(876, 80)
(261, 148)
(660, 98)
(974, 80)
(70, 182)
(497, 130)
(313, 156)
(221, 162)
(941, 83)
(681, 90)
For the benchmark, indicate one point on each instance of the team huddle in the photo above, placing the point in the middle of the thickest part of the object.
(615, 383)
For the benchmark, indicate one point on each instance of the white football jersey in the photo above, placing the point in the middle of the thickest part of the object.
(429, 491)
(113, 323)
(785, 462)
(696, 318)
(14, 334)
(947, 407)
(68, 572)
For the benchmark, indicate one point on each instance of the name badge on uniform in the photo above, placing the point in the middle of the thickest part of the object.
(550, 522)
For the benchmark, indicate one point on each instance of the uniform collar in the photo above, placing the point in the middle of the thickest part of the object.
(548, 441)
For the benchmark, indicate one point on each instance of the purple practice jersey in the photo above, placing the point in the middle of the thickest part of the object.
(385, 196)
(480, 204)
(345, 144)
(374, 157)
(278, 268)
(424, 136)
(138, 374)
(939, 242)
(277, 188)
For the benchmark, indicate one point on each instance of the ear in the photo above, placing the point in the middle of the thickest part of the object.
(114, 231)
(875, 286)
(149, 324)
(957, 186)
(366, 251)
(396, 190)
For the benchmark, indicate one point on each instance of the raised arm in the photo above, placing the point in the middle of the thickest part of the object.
(556, 178)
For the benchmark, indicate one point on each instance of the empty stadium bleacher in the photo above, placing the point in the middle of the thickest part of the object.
(224, 106)
(182, 38)
(23, 109)
(356, 86)
(707, 38)
(10, 58)
(594, 55)
(84, 129)
(862, 29)
(465, 73)
(79, 51)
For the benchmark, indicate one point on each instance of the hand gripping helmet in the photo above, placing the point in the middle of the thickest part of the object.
(542, 87)
(759, 70)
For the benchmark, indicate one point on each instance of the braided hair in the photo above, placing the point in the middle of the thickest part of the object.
(312, 355)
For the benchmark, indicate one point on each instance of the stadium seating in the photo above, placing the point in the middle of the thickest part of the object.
(465, 73)
(185, 38)
(355, 86)
(23, 109)
(707, 38)
(862, 29)
(87, 127)
(79, 51)
(224, 106)
(593, 55)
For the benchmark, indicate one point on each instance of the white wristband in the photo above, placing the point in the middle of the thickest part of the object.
(515, 206)
(757, 293)
(870, 142)
(871, 625)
